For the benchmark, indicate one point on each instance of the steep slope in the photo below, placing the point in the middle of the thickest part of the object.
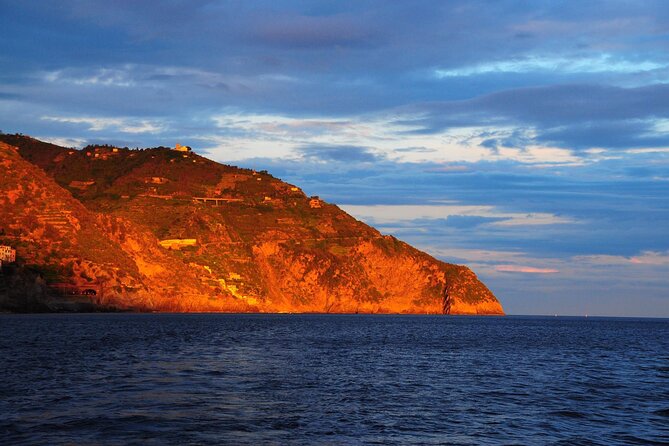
(258, 243)
(72, 259)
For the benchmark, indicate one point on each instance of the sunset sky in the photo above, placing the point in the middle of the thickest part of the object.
(526, 139)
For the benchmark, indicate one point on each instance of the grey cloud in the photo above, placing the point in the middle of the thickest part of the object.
(549, 106)
(492, 144)
(338, 153)
(415, 150)
(344, 57)
(313, 32)
(469, 221)
(613, 215)
(339, 60)
(572, 116)
(611, 134)
(554, 105)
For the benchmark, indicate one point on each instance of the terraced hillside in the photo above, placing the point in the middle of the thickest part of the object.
(242, 240)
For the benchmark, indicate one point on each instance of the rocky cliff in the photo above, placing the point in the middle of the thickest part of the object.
(165, 230)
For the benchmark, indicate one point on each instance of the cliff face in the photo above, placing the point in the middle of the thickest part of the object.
(162, 230)
(69, 258)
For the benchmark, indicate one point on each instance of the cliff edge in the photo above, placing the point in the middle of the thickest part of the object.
(168, 230)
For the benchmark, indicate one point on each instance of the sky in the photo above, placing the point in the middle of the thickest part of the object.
(528, 140)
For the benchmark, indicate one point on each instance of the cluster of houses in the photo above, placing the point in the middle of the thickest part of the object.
(7, 254)
(102, 152)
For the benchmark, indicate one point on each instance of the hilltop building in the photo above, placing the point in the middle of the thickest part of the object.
(7, 254)
(180, 148)
(315, 202)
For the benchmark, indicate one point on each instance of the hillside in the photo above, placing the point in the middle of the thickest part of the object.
(166, 230)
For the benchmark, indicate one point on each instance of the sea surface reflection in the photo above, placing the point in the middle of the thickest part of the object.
(332, 379)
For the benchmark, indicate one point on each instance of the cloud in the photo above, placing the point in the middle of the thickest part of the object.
(266, 135)
(355, 61)
(415, 150)
(154, 77)
(285, 127)
(577, 117)
(106, 77)
(645, 258)
(65, 142)
(325, 153)
(300, 31)
(547, 285)
(450, 168)
(602, 63)
(391, 214)
(556, 105)
(651, 258)
(525, 269)
(96, 124)
(612, 135)
(535, 130)
(470, 221)
(572, 266)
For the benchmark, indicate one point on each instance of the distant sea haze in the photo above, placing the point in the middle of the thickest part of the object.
(332, 379)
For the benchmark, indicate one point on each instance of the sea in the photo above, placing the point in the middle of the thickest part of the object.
(249, 379)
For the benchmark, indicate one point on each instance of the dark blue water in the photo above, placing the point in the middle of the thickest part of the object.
(308, 379)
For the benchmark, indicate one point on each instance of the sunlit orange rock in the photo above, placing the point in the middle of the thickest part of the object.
(203, 238)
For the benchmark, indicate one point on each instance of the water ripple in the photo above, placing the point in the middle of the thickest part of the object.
(305, 379)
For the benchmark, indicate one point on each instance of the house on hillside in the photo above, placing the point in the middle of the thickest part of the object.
(315, 202)
(7, 254)
(156, 180)
(180, 148)
(177, 243)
